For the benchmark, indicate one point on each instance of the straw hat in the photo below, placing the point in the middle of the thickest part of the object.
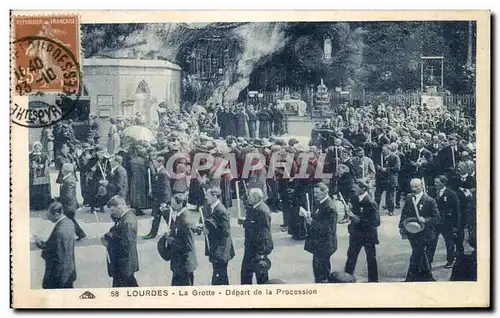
(413, 225)
(261, 143)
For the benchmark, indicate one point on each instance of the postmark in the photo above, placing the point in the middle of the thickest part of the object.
(46, 68)
(45, 108)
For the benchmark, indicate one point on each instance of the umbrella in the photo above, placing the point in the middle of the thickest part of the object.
(199, 109)
(138, 133)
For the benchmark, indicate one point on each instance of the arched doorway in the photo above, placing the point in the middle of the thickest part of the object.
(142, 100)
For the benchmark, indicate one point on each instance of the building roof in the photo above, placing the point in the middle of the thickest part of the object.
(130, 62)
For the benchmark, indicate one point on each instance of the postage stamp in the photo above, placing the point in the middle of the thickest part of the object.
(39, 62)
(46, 59)
(257, 159)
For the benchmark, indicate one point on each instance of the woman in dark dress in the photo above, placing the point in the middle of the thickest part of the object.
(140, 179)
(40, 195)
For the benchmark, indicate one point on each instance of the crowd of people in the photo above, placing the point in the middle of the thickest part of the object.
(423, 158)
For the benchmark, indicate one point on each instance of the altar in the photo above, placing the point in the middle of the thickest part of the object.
(295, 107)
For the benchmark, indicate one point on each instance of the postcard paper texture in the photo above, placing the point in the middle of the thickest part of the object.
(250, 159)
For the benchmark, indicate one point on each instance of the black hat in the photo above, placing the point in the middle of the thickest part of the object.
(164, 249)
(262, 265)
(261, 143)
(341, 277)
(280, 142)
(292, 142)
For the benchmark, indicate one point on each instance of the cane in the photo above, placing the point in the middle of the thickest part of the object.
(203, 222)
(169, 221)
(348, 212)
(237, 184)
(149, 181)
(308, 209)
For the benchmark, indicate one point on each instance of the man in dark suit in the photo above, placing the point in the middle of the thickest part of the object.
(219, 247)
(162, 194)
(448, 157)
(465, 267)
(121, 244)
(419, 159)
(59, 250)
(463, 185)
(63, 157)
(67, 197)
(321, 239)
(183, 261)
(365, 219)
(427, 216)
(449, 210)
(379, 140)
(387, 176)
(434, 146)
(258, 239)
(118, 180)
(403, 177)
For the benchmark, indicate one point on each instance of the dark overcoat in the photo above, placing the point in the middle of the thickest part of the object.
(322, 232)
(427, 208)
(182, 248)
(220, 248)
(67, 195)
(59, 255)
(118, 183)
(122, 247)
(365, 231)
(257, 224)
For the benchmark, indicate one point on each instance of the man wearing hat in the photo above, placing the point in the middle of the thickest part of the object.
(387, 177)
(252, 121)
(162, 194)
(257, 177)
(419, 217)
(180, 167)
(83, 160)
(64, 156)
(334, 156)
(100, 169)
(291, 145)
(264, 123)
(365, 219)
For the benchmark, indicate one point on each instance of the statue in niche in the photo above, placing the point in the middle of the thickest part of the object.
(327, 48)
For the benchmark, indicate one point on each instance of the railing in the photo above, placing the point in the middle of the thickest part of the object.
(464, 101)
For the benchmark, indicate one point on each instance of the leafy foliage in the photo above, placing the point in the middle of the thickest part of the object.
(377, 56)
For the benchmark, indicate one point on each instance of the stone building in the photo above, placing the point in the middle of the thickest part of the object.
(120, 87)
(127, 86)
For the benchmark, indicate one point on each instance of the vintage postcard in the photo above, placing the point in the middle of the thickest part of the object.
(250, 159)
